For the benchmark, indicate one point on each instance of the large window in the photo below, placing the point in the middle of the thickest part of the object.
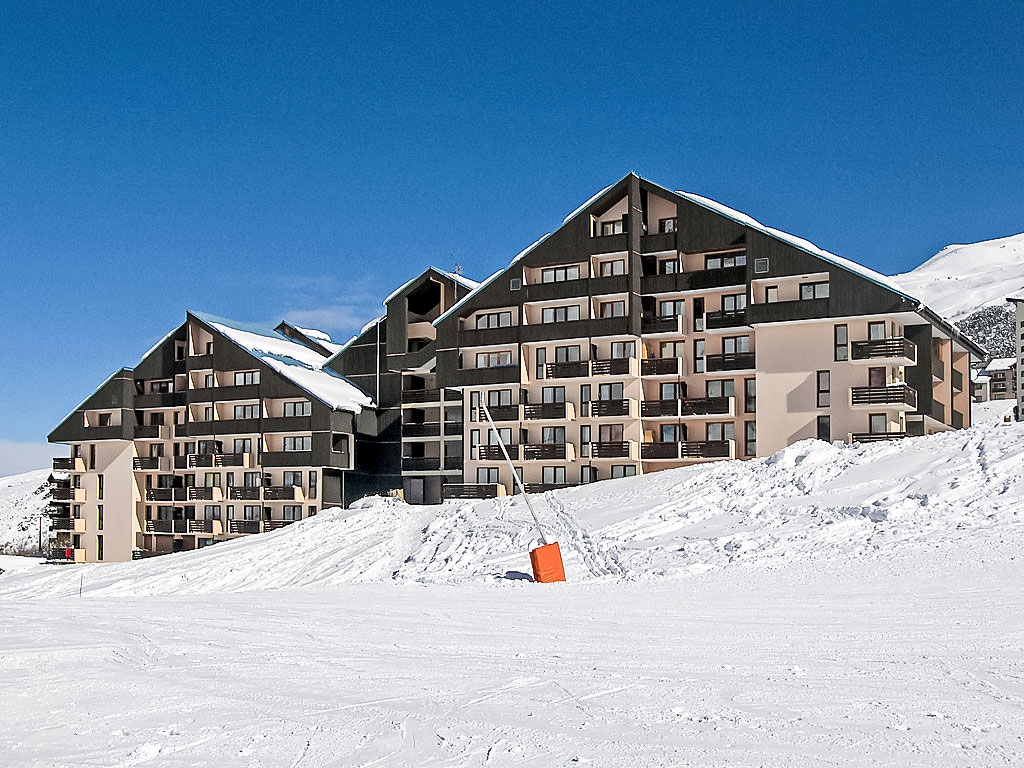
(622, 349)
(553, 394)
(671, 308)
(771, 294)
(559, 274)
(496, 397)
(725, 260)
(878, 424)
(553, 475)
(842, 338)
(698, 313)
(243, 445)
(292, 477)
(487, 475)
(568, 354)
(297, 443)
(721, 388)
(673, 348)
(615, 227)
(824, 379)
(493, 359)
(671, 390)
(698, 356)
(732, 345)
(721, 431)
(552, 435)
(247, 411)
(611, 268)
(494, 320)
(611, 391)
(247, 377)
(623, 470)
(612, 309)
(734, 302)
(299, 408)
(560, 314)
(291, 512)
(671, 433)
(810, 291)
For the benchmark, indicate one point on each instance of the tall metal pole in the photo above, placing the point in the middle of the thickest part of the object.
(515, 475)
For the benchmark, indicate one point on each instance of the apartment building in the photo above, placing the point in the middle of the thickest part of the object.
(1002, 378)
(652, 329)
(1018, 307)
(657, 329)
(222, 430)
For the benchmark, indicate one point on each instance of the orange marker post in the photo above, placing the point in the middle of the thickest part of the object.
(547, 563)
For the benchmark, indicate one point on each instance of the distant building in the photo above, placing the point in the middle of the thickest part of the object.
(1018, 340)
(980, 386)
(1002, 374)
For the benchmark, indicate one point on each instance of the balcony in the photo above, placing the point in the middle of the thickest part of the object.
(60, 524)
(692, 449)
(472, 490)
(725, 319)
(274, 525)
(68, 494)
(421, 463)
(549, 411)
(159, 400)
(895, 351)
(69, 465)
(625, 449)
(899, 396)
(241, 527)
(619, 366)
(425, 429)
(548, 451)
(59, 554)
(874, 437)
(502, 413)
(421, 396)
(244, 493)
(151, 464)
(453, 463)
(160, 494)
(205, 493)
(283, 493)
(958, 380)
(569, 370)
(453, 428)
(545, 487)
(609, 243)
(660, 366)
(734, 361)
(656, 324)
(183, 526)
(697, 407)
(938, 369)
(606, 408)
(286, 424)
(493, 452)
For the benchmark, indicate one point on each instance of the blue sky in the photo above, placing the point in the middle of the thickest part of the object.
(302, 161)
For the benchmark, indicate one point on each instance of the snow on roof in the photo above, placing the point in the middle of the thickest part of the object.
(351, 341)
(796, 242)
(490, 279)
(588, 202)
(461, 279)
(1001, 364)
(465, 281)
(313, 333)
(297, 363)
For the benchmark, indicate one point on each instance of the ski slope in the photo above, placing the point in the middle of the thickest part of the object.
(961, 279)
(22, 503)
(829, 605)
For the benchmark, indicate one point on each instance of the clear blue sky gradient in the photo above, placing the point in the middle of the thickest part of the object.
(302, 163)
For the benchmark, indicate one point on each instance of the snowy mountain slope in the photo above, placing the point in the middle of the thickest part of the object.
(809, 500)
(22, 503)
(961, 279)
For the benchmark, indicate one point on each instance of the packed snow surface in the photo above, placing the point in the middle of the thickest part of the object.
(23, 502)
(829, 605)
(961, 279)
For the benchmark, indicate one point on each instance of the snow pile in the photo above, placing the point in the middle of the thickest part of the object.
(961, 279)
(810, 500)
(23, 501)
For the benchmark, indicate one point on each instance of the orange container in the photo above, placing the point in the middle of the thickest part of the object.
(547, 563)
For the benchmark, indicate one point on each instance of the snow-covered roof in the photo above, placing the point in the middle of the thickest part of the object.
(1001, 364)
(464, 281)
(313, 333)
(584, 205)
(297, 363)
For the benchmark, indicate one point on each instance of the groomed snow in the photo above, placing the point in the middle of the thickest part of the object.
(829, 605)
(23, 501)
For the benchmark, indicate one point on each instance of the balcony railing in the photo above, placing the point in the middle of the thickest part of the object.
(733, 361)
(544, 411)
(897, 394)
(421, 396)
(68, 494)
(453, 463)
(618, 366)
(425, 429)
(493, 452)
(601, 408)
(659, 450)
(725, 319)
(140, 463)
(69, 465)
(660, 366)
(938, 369)
(692, 449)
(472, 490)
(661, 324)
(874, 437)
(243, 526)
(159, 494)
(569, 370)
(244, 493)
(545, 487)
(282, 493)
(421, 463)
(610, 450)
(544, 451)
(60, 524)
(698, 406)
(203, 493)
(273, 525)
(884, 349)
(500, 413)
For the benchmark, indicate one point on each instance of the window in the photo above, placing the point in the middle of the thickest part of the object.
(179, 350)
(670, 390)
(609, 433)
(824, 389)
(291, 511)
(721, 388)
(99, 486)
(156, 450)
(229, 479)
(842, 338)
(585, 441)
(667, 225)
(251, 512)
(698, 356)
(623, 470)
(750, 438)
(247, 412)
(569, 354)
(493, 359)
(671, 308)
(553, 395)
(668, 266)
(209, 348)
(494, 320)
(297, 443)
(99, 547)
(159, 386)
(750, 395)
(584, 400)
(560, 314)
(698, 313)
(212, 512)
(299, 408)
(611, 268)
(876, 331)
(211, 480)
(92, 457)
(498, 397)
(243, 445)
(559, 274)
(339, 443)
(612, 391)
(878, 424)
(542, 358)
(552, 435)
(253, 479)
(612, 227)
(247, 377)
(515, 283)
(673, 348)
(156, 419)
(208, 413)
(612, 309)
(311, 511)
(771, 294)
(291, 477)
(99, 517)
(725, 260)
(103, 419)
(825, 429)
(588, 474)
(810, 291)
(671, 433)
(760, 266)
(732, 345)
(734, 302)
(553, 475)
(622, 349)
(208, 380)
(504, 436)
(487, 475)
(721, 431)
(312, 484)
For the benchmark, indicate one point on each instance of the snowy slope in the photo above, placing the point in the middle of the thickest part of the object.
(810, 500)
(961, 279)
(22, 502)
